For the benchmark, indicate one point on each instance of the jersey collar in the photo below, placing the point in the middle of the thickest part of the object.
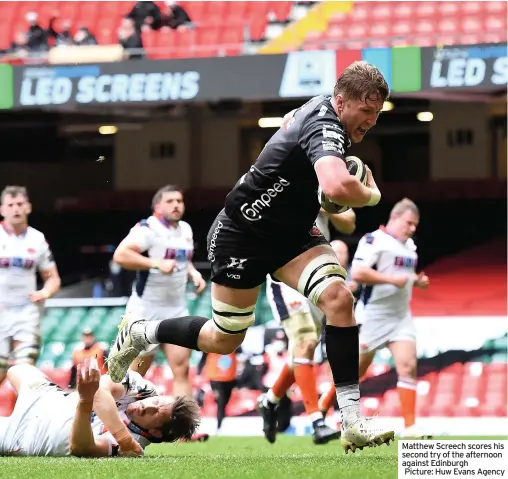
(10, 231)
(384, 230)
(133, 427)
(165, 222)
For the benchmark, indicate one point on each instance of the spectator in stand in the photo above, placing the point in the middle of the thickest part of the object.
(145, 15)
(64, 36)
(18, 47)
(84, 37)
(130, 38)
(37, 36)
(176, 16)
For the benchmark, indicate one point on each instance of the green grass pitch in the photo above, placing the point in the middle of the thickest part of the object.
(221, 457)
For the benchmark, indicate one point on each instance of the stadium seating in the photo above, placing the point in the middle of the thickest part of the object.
(221, 27)
(378, 24)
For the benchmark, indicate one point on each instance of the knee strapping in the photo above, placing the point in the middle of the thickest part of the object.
(26, 353)
(4, 363)
(230, 319)
(322, 271)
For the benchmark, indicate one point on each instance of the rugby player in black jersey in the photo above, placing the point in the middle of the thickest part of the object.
(267, 227)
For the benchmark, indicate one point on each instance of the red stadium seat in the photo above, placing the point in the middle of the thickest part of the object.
(426, 9)
(370, 24)
(280, 9)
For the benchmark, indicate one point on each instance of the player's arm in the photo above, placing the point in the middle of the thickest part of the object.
(341, 187)
(345, 222)
(83, 443)
(197, 278)
(129, 255)
(49, 274)
(369, 276)
(104, 405)
(52, 281)
(323, 140)
(362, 268)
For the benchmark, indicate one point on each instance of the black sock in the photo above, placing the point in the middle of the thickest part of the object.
(181, 331)
(342, 349)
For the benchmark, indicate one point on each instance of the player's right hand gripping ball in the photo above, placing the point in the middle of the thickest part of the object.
(356, 167)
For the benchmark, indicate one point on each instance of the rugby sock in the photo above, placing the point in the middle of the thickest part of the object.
(406, 388)
(306, 381)
(327, 400)
(342, 349)
(180, 331)
(282, 384)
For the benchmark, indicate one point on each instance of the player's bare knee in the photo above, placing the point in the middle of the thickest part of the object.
(180, 369)
(305, 349)
(227, 343)
(336, 302)
(407, 368)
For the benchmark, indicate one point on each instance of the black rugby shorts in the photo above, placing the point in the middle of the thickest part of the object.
(241, 260)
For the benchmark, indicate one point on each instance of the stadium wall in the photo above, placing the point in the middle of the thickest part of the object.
(459, 140)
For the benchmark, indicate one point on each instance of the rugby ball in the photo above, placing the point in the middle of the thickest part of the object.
(356, 167)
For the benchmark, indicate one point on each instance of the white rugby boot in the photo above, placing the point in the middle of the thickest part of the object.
(129, 342)
(414, 432)
(362, 432)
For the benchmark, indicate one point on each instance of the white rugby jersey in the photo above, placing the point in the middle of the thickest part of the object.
(41, 423)
(388, 255)
(20, 258)
(161, 241)
(136, 388)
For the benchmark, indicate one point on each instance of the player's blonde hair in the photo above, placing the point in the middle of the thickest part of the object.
(402, 206)
(361, 80)
(13, 190)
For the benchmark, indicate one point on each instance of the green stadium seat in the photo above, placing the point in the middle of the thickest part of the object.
(55, 312)
(51, 352)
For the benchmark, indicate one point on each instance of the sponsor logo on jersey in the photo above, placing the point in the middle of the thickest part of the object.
(405, 262)
(17, 262)
(252, 212)
(332, 146)
(332, 135)
(178, 254)
(213, 242)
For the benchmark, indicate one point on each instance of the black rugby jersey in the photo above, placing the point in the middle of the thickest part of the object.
(278, 195)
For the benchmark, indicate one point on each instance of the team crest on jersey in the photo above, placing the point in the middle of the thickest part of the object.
(369, 238)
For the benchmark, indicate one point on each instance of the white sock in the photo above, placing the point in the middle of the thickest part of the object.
(348, 398)
(151, 331)
(316, 416)
(270, 398)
